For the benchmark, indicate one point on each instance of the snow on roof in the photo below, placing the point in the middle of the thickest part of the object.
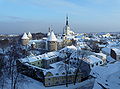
(101, 45)
(35, 41)
(48, 34)
(110, 59)
(117, 51)
(62, 55)
(52, 37)
(106, 49)
(58, 69)
(1, 51)
(92, 59)
(24, 36)
(45, 56)
(101, 54)
(29, 34)
(69, 37)
(95, 39)
(108, 75)
(72, 47)
(44, 38)
(29, 59)
(107, 35)
(69, 49)
(87, 38)
(59, 40)
(112, 44)
(82, 44)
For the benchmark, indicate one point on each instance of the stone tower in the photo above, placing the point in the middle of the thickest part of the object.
(52, 42)
(67, 30)
(25, 39)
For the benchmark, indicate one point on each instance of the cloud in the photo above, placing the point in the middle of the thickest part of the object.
(14, 17)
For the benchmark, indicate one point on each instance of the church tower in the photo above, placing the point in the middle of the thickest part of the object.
(25, 39)
(52, 42)
(67, 30)
(67, 27)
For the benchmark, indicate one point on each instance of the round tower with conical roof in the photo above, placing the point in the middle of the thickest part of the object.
(52, 42)
(30, 36)
(25, 39)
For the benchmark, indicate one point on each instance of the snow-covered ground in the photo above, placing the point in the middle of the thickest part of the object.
(107, 76)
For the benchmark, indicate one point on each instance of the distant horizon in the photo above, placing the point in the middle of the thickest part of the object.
(38, 15)
(54, 32)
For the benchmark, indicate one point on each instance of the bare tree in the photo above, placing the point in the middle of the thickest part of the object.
(80, 56)
(64, 66)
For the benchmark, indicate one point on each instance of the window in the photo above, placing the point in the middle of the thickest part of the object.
(48, 78)
(69, 72)
(97, 64)
(74, 58)
(38, 63)
(100, 62)
(92, 65)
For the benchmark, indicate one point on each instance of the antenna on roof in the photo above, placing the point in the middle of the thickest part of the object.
(49, 30)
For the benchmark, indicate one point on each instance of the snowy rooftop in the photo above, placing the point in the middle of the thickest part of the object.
(35, 41)
(102, 46)
(52, 37)
(24, 36)
(108, 75)
(82, 44)
(113, 44)
(58, 69)
(107, 50)
(117, 51)
(45, 56)
(70, 49)
(29, 34)
(92, 59)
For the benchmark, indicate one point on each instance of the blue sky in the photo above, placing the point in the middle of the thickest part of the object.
(18, 16)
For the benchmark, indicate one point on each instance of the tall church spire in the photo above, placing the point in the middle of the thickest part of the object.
(67, 20)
